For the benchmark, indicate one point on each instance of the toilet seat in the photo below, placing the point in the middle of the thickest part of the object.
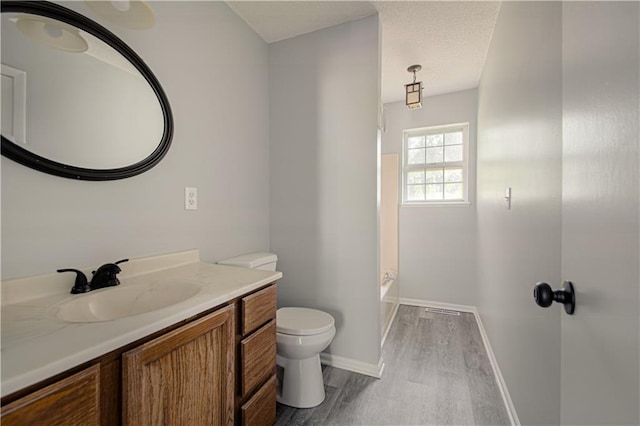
(303, 321)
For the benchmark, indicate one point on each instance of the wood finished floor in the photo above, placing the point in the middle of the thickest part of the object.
(436, 373)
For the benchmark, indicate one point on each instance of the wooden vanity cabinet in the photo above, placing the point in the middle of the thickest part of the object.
(217, 368)
(73, 400)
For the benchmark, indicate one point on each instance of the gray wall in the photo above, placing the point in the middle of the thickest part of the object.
(520, 146)
(446, 270)
(213, 68)
(324, 97)
(600, 225)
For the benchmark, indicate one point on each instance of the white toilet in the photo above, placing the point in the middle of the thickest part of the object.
(301, 335)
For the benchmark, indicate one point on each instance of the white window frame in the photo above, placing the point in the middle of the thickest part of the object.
(464, 164)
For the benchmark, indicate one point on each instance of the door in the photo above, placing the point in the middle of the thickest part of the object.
(600, 216)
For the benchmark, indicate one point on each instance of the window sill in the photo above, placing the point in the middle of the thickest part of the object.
(438, 204)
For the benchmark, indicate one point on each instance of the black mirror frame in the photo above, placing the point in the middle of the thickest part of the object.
(45, 165)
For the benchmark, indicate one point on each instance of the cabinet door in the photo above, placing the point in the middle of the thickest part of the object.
(71, 401)
(185, 377)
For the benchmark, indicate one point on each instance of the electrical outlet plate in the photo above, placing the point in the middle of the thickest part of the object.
(190, 198)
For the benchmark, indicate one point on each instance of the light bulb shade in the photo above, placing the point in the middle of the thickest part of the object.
(133, 14)
(53, 33)
(413, 95)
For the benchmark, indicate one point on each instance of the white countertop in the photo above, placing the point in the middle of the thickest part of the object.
(37, 345)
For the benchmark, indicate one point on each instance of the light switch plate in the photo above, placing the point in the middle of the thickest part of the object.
(190, 198)
(507, 198)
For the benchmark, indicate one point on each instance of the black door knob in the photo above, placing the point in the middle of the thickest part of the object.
(545, 296)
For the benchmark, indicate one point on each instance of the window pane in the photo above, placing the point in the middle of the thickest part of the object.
(453, 138)
(414, 177)
(416, 142)
(434, 176)
(453, 191)
(453, 153)
(434, 164)
(453, 175)
(434, 155)
(433, 192)
(435, 140)
(415, 192)
(416, 156)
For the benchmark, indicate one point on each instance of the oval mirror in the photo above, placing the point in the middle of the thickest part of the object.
(77, 102)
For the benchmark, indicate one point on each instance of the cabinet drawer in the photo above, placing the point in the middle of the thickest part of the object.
(261, 408)
(258, 357)
(258, 308)
(74, 400)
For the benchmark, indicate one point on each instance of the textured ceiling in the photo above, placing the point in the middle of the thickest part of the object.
(449, 39)
(279, 20)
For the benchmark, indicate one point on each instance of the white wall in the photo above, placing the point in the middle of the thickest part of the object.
(324, 97)
(600, 226)
(447, 274)
(213, 68)
(520, 146)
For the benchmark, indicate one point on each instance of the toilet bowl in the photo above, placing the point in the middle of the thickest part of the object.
(301, 334)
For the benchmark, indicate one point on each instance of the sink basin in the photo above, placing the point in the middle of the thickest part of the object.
(124, 301)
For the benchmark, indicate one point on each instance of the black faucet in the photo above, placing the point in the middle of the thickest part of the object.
(105, 276)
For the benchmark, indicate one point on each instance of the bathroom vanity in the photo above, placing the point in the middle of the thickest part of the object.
(208, 359)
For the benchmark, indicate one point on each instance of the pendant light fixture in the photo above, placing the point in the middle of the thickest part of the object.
(132, 14)
(413, 91)
(55, 34)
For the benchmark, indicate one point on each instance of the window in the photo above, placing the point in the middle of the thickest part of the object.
(435, 165)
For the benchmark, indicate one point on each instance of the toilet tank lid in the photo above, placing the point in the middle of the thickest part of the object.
(251, 260)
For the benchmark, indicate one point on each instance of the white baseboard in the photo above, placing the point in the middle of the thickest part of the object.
(502, 385)
(353, 365)
(386, 331)
(440, 305)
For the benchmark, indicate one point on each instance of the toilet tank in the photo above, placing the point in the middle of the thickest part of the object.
(262, 260)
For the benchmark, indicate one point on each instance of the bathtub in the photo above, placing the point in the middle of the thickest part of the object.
(389, 302)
